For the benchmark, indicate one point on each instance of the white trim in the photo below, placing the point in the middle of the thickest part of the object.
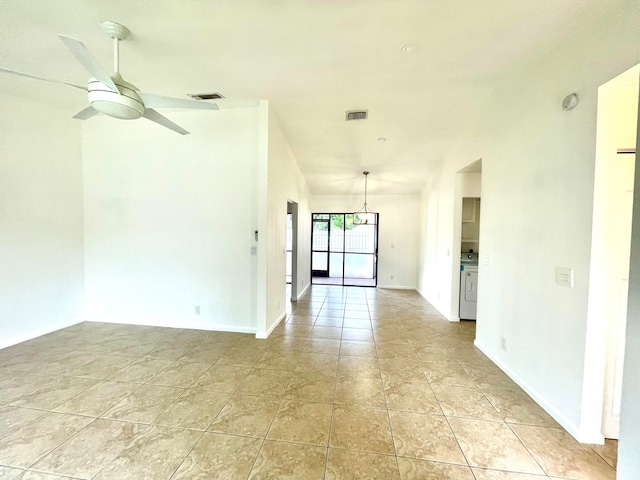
(210, 327)
(304, 290)
(398, 287)
(454, 319)
(38, 333)
(574, 430)
(264, 336)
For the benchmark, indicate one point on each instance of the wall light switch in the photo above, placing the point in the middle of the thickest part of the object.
(485, 260)
(564, 277)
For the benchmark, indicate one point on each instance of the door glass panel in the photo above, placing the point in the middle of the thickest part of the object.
(319, 261)
(358, 266)
(335, 265)
(361, 239)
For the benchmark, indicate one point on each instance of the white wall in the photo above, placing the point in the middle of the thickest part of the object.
(537, 197)
(41, 284)
(285, 182)
(169, 220)
(398, 233)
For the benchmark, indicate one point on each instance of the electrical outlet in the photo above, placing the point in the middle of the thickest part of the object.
(197, 310)
(503, 343)
(392, 277)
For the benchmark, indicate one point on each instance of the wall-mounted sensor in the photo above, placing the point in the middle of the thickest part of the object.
(570, 102)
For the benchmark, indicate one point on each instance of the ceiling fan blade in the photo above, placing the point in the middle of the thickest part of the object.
(154, 116)
(14, 72)
(86, 59)
(86, 113)
(151, 100)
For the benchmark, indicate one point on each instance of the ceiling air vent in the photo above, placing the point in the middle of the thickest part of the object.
(356, 115)
(205, 96)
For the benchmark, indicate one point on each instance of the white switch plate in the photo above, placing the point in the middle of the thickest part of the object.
(485, 261)
(564, 277)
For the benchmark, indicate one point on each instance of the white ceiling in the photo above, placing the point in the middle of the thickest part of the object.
(312, 59)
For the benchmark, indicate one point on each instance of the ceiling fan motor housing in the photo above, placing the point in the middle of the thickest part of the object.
(126, 105)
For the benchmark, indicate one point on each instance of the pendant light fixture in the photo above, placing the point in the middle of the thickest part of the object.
(364, 216)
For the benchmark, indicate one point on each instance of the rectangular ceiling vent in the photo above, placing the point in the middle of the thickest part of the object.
(356, 115)
(205, 96)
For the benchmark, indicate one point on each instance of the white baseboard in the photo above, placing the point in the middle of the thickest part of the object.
(574, 430)
(265, 335)
(304, 290)
(211, 327)
(7, 342)
(397, 287)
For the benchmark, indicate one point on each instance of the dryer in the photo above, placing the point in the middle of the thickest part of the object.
(468, 291)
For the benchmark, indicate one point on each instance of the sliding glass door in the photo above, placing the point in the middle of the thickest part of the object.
(343, 253)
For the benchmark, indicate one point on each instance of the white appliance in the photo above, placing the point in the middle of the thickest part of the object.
(468, 286)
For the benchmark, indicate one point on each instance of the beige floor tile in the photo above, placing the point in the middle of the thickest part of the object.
(560, 455)
(222, 378)
(144, 404)
(361, 428)
(32, 475)
(492, 445)
(156, 453)
(358, 349)
(317, 362)
(464, 402)
(311, 386)
(279, 360)
(86, 453)
(333, 321)
(265, 382)
(414, 469)
(484, 474)
(14, 418)
(34, 440)
(301, 422)
(140, 370)
(413, 396)
(359, 367)
(447, 374)
(360, 391)
(55, 391)
(196, 408)
(240, 357)
(352, 465)
(357, 323)
(490, 376)
(322, 345)
(319, 331)
(308, 320)
(608, 451)
(424, 436)
(246, 415)
(518, 407)
(219, 456)
(357, 334)
(280, 460)
(181, 374)
(7, 473)
(98, 399)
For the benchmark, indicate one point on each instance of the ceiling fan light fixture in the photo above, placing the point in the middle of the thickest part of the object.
(364, 216)
(127, 106)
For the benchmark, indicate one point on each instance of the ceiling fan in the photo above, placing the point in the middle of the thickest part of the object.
(111, 94)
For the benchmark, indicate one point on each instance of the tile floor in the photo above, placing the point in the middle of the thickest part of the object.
(356, 384)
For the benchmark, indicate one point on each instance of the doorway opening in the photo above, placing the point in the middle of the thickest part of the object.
(343, 252)
(611, 244)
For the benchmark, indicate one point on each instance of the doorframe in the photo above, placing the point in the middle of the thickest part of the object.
(293, 206)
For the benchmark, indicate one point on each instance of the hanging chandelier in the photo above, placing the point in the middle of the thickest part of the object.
(364, 216)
